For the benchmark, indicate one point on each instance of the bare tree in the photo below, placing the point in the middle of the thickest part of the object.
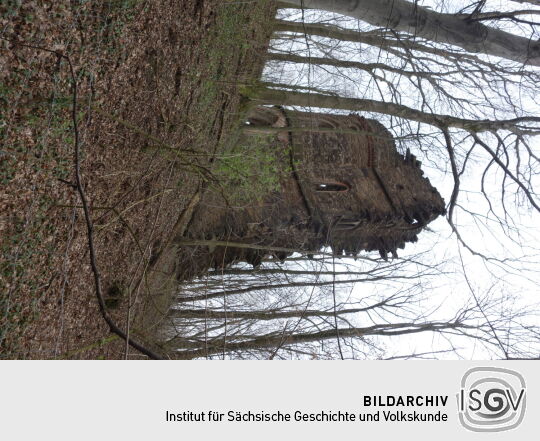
(461, 109)
(301, 319)
(462, 30)
(463, 97)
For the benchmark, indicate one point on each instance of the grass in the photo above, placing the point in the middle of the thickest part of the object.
(249, 170)
(244, 167)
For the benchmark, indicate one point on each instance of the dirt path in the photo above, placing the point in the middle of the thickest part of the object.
(157, 85)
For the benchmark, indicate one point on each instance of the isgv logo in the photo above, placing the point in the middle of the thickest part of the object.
(491, 399)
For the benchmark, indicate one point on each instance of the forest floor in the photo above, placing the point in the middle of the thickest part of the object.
(157, 96)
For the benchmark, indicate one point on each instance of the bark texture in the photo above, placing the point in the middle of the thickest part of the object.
(405, 16)
(293, 98)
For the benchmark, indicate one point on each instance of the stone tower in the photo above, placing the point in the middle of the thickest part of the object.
(345, 186)
(359, 192)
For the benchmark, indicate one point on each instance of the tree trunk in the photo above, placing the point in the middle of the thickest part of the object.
(532, 2)
(231, 244)
(368, 67)
(261, 315)
(276, 340)
(372, 39)
(282, 97)
(275, 271)
(213, 295)
(405, 16)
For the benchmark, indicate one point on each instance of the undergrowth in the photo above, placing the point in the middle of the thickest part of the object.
(36, 133)
(250, 169)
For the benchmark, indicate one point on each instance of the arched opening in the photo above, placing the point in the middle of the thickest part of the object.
(343, 225)
(331, 186)
(347, 224)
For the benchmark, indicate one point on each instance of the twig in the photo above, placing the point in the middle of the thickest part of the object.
(84, 201)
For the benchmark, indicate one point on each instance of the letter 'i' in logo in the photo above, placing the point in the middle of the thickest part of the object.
(491, 399)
